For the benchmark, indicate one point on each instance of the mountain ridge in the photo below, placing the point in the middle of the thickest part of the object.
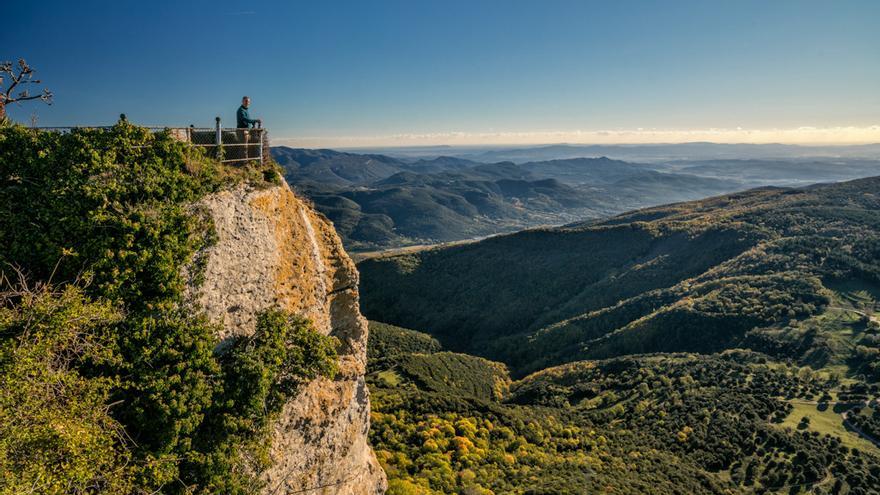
(380, 202)
(615, 267)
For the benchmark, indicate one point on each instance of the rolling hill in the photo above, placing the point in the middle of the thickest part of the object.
(794, 273)
(379, 202)
(724, 346)
(659, 153)
(332, 168)
(778, 172)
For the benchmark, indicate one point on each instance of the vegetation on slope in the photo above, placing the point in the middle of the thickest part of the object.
(56, 433)
(723, 346)
(666, 423)
(106, 217)
(756, 269)
(389, 341)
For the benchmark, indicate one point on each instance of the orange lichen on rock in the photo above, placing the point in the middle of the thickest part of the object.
(274, 250)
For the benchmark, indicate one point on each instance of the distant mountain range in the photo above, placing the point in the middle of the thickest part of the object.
(377, 201)
(635, 152)
(755, 172)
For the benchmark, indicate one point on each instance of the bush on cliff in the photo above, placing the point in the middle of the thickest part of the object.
(112, 209)
(56, 433)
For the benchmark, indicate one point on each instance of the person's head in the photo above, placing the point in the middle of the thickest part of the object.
(245, 101)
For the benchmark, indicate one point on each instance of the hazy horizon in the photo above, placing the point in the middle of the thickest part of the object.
(800, 137)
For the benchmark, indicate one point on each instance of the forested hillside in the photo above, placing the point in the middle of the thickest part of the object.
(727, 423)
(728, 345)
(794, 273)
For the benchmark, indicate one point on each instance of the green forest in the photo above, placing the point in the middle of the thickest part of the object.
(728, 345)
(793, 273)
(663, 423)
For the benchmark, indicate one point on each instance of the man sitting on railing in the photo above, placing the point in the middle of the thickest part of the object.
(244, 119)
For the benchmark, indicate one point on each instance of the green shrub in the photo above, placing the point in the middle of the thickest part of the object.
(56, 435)
(113, 208)
(259, 373)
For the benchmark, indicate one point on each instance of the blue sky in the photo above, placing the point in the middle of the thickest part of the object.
(469, 72)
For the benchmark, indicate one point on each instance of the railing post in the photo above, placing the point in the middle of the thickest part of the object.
(219, 140)
(262, 134)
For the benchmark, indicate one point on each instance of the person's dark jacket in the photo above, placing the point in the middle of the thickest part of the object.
(244, 119)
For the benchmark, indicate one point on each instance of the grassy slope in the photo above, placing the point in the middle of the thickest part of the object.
(826, 421)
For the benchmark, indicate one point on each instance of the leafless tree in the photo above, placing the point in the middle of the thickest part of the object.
(20, 76)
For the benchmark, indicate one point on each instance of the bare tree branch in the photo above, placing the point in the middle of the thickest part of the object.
(25, 97)
(22, 75)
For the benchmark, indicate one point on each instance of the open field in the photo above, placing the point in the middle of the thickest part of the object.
(827, 422)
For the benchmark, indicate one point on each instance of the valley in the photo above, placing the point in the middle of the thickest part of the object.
(440, 248)
(379, 202)
(725, 345)
(730, 422)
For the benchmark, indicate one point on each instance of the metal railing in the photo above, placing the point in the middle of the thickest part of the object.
(228, 145)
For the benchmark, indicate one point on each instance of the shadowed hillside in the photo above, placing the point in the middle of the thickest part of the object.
(760, 269)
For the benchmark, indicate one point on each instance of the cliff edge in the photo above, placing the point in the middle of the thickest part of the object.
(273, 249)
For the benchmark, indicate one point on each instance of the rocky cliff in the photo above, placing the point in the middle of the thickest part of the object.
(273, 249)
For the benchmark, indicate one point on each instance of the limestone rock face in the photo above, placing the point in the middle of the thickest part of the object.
(273, 249)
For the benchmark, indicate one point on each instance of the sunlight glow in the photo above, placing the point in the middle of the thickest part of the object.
(800, 135)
